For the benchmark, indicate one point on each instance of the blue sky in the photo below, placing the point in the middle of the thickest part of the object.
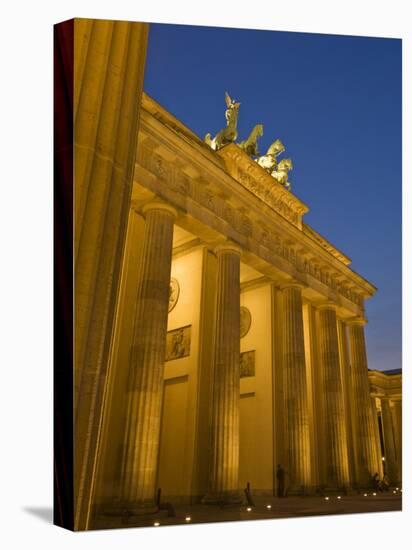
(335, 102)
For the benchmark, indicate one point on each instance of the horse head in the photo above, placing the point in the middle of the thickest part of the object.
(285, 164)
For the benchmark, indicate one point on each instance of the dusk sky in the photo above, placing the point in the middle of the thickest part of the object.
(335, 102)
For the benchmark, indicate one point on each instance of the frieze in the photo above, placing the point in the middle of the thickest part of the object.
(246, 226)
(176, 179)
(254, 178)
(266, 195)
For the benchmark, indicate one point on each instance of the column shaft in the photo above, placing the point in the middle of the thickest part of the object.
(378, 445)
(295, 391)
(224, 473)
(367, 459)
(335, 429)
(145, 385)
(109, 61)
(397, 425)
(391, 467)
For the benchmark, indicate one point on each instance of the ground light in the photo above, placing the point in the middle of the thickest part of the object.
(326, 498)
(156, 524)
(188, 518)
(268, 506)
(339, 497)
(374, 494)
(365, 494)
(249, 509)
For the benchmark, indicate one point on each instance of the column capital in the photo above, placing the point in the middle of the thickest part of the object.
(356, 321)
(291, 284)
(326, 305)
(227, 247)
(159, 205)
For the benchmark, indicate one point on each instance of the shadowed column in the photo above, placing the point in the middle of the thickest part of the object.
(145, 385)
(224, 473)
(367, 460)
(337, 468)
(397, 432)
(391, 467)
(295, 390)
(109, 59)
(378, 444)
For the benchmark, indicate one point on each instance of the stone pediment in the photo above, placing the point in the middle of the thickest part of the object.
(256, 180)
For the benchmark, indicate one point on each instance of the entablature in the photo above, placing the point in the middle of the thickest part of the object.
(198, 182)
(384, 385)
(255, 179)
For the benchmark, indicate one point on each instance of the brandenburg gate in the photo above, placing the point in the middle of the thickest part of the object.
(239, 334)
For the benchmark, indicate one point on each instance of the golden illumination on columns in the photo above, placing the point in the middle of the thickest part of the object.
(379, 450)
(397, 425)
(337, 468)
(295, 389)
(391, 467)
(109, 58)
(224, 472)
(146, 367)
(368, 461)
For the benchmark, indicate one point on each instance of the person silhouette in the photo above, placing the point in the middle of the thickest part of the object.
(280, 476)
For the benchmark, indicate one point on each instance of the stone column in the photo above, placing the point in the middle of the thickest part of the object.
(109, 58)
(224, 470)
(379, 450)
(147, 354)
(295, 390)
(367, 459)
(347, 395)
(337, 468)
(391, 467)
(397, 425)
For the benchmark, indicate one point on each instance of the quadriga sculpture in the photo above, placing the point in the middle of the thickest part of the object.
(268, 161)
(249, 145)
(282, 172)
(228, 134)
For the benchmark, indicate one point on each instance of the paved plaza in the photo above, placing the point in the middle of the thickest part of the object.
(264, 508)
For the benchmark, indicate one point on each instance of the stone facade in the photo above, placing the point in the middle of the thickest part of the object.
(179, 414)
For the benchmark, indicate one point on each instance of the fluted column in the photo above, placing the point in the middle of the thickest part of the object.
(145, 385)
(224, 472)
(295, 390)
(109, 58)
(378, 445)
(367, 459)
(391, 467)
(337, 469)
(397, 425)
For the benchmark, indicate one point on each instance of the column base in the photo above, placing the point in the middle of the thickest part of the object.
(129, 508)
(119, 514)
(301, 490)
(230, 498)
(343, 490)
